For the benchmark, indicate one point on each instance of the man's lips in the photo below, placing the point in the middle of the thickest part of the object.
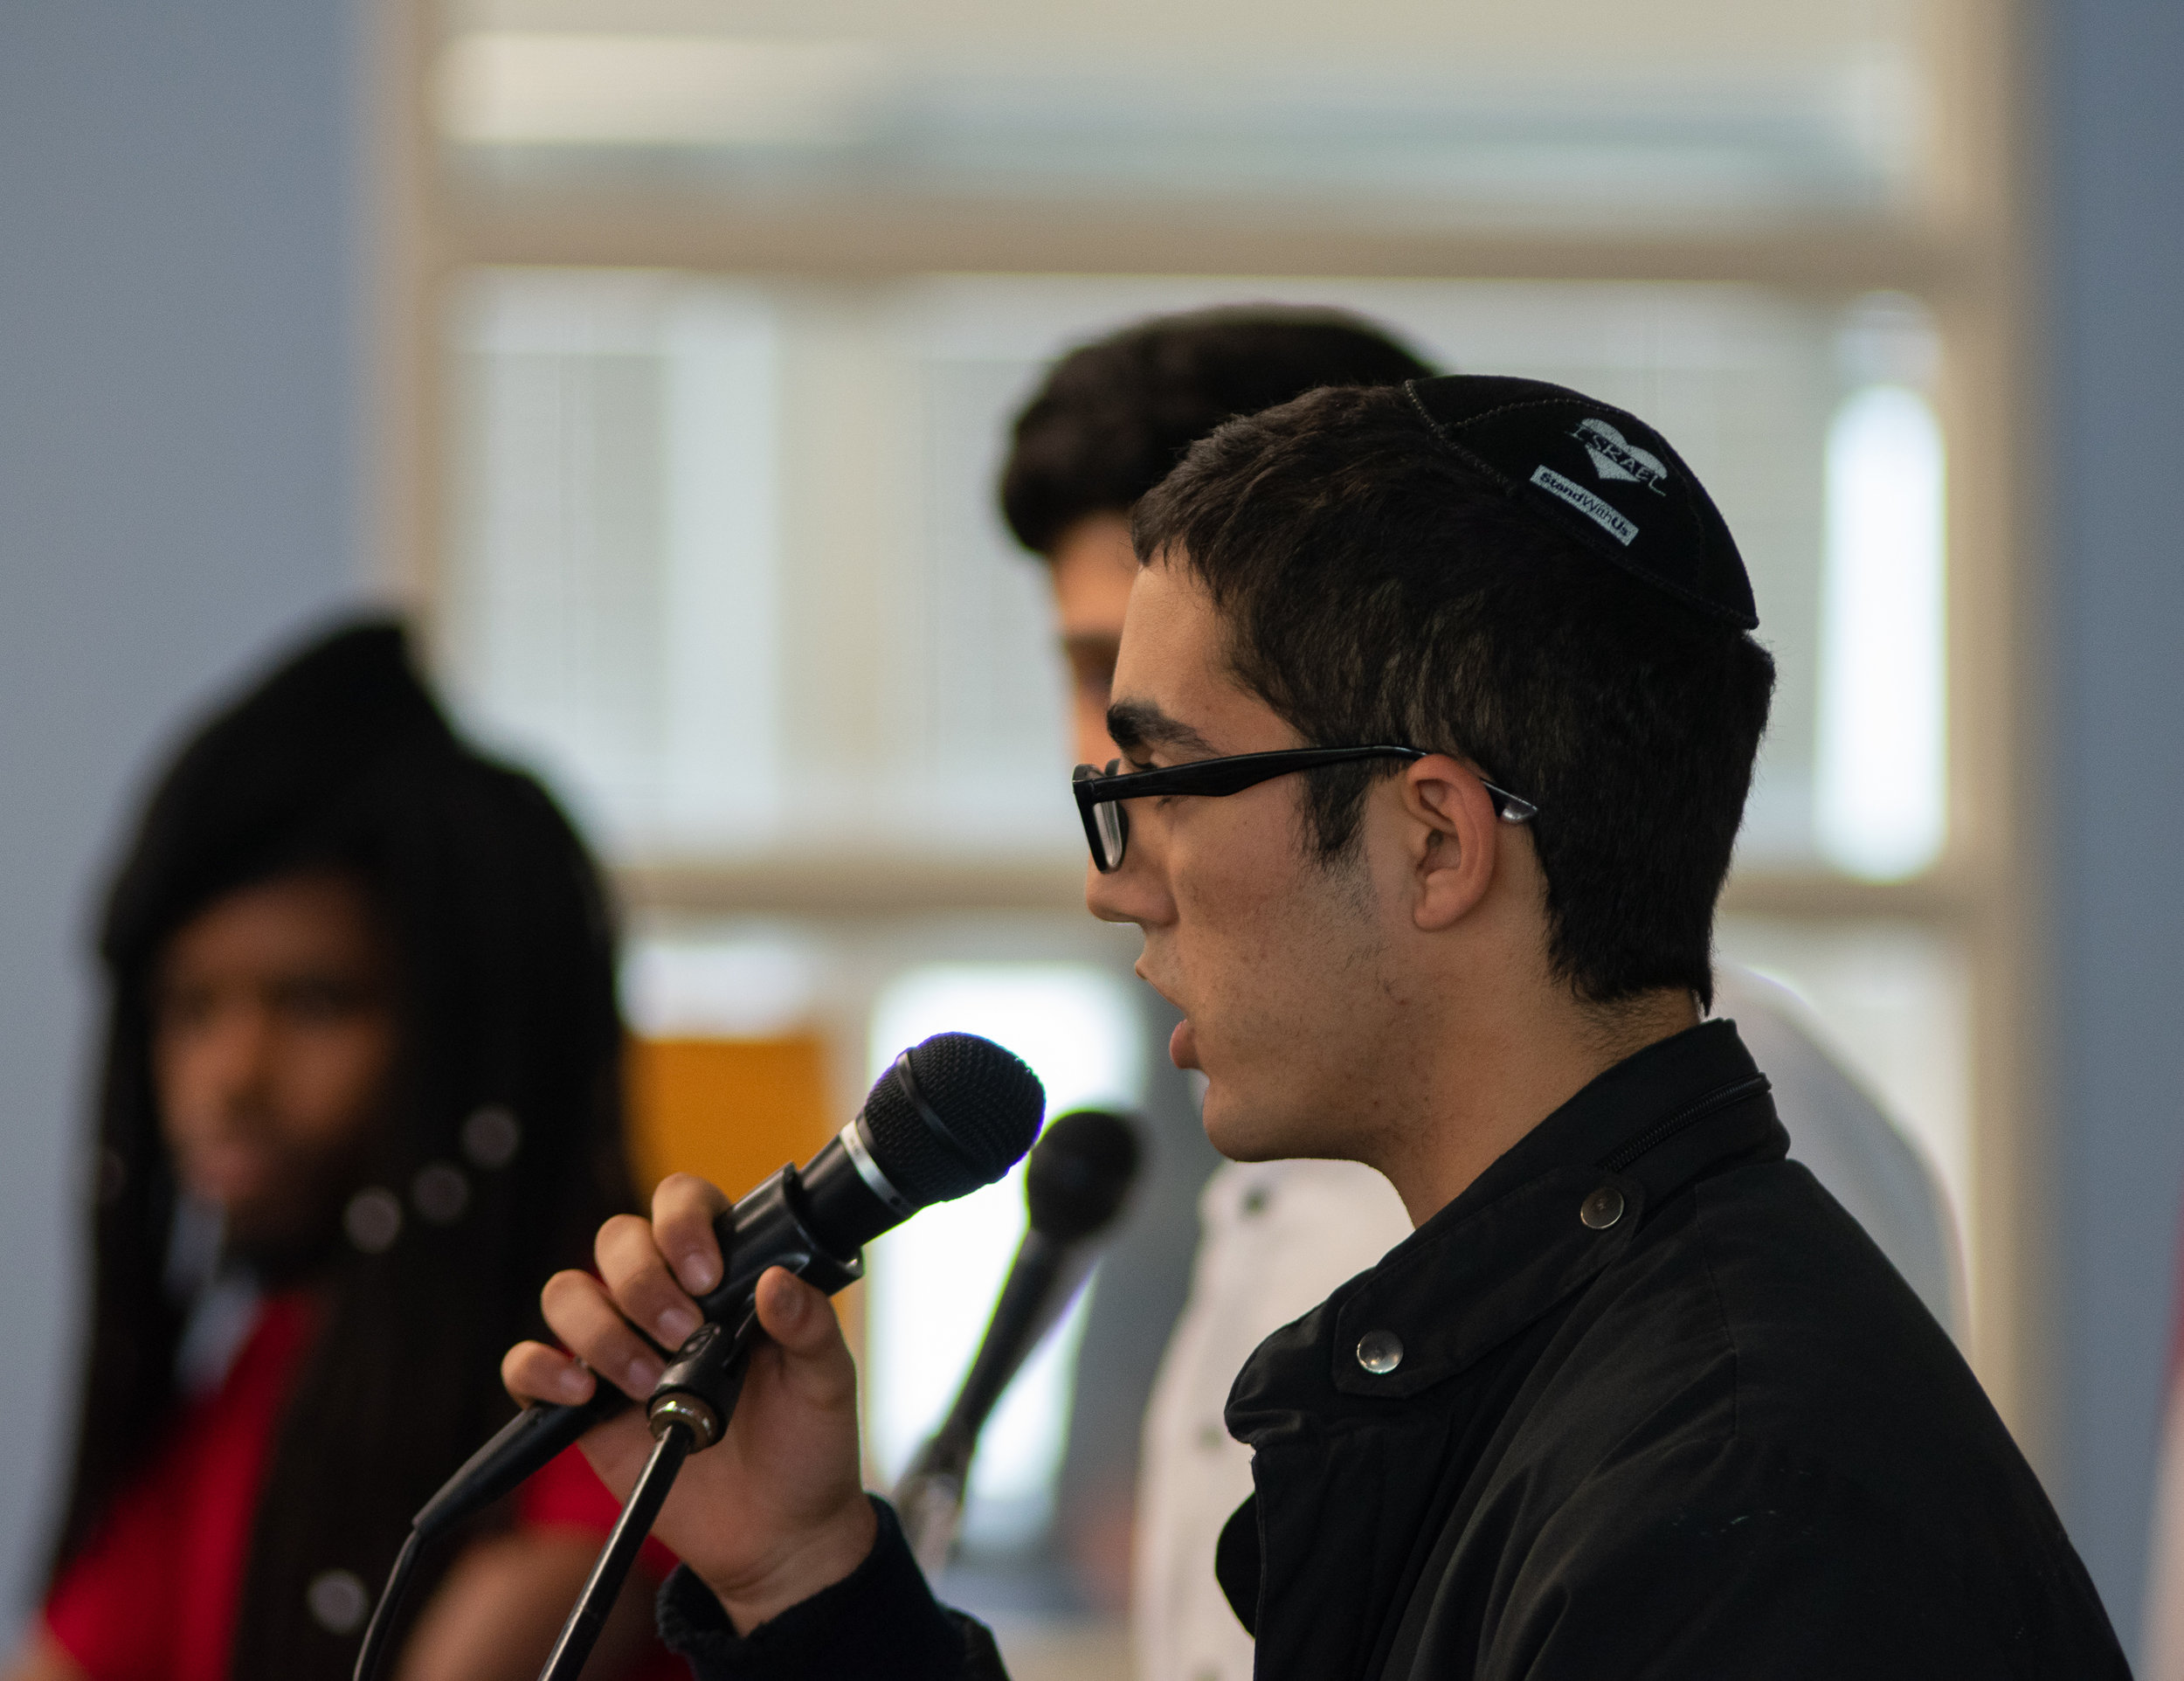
(1183, 1049)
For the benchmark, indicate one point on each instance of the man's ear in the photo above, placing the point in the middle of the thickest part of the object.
(1455, 835)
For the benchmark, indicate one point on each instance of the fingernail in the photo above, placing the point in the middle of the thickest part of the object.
(698, 1271)
(572, 1383)
(676, 1324)
(644, 1371)
(791, 1307)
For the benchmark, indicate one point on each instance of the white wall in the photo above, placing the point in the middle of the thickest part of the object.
(179, 424)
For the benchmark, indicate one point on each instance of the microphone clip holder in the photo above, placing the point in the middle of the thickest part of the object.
(769, 1229)
(701, 1386)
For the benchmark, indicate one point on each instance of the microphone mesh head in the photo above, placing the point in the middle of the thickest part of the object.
(986, 1107)
(1079, 1172)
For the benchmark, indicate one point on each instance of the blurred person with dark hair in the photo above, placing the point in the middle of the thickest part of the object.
(361, 1096)
(1274, 1237)
(1440, 706)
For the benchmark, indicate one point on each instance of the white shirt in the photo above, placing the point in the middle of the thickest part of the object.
(1275, 1238)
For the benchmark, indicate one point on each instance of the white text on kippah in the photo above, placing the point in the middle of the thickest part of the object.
(1587, 503)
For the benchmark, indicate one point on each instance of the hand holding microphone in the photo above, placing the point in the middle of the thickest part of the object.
(774, 1513)
(776, 1510)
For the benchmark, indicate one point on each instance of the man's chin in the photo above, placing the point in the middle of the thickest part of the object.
(1240, 1135)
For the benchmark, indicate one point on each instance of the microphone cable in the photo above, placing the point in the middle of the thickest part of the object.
(371, 1656)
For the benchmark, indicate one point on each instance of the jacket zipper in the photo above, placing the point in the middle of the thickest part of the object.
(1720, 1098)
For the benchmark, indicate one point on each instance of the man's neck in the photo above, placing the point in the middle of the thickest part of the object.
(1496, 1083)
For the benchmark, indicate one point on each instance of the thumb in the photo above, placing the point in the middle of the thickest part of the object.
(795, 1316)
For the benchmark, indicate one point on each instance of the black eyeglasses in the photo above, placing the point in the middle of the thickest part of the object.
(1100, 793)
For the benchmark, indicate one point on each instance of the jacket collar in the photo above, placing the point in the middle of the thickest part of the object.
(1554, 1211)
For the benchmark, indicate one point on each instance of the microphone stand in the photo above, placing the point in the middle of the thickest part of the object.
(603, 1586)
(688, 1412)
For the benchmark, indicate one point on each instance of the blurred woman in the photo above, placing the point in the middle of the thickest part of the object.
(361, 1096)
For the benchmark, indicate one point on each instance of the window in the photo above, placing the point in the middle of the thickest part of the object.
(651, 587)
(726, 309)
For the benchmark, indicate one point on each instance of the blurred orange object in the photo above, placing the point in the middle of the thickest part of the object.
(731, 1110)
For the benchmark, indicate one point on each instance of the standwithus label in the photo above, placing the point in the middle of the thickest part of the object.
(1606, 515)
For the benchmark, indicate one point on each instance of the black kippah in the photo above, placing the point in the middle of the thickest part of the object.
(1600, 474)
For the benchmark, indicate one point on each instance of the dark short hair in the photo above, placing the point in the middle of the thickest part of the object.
(1377, 588)
(1115, 415)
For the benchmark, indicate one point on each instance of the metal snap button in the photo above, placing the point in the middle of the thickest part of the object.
(1602, 1209)
(1380, 1352)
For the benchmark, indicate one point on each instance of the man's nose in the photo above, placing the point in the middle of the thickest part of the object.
(1134, 893)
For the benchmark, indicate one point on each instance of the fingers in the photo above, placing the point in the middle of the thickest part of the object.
(794, 1314)
(636, 1288)
(532, 1371)
(636, 1274)
(580, 1313)
(683, 1210)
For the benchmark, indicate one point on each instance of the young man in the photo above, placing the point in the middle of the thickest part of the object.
(1637, 1397)
(1275, 1238)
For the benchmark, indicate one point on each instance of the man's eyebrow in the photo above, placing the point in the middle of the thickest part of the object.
(1140, 724)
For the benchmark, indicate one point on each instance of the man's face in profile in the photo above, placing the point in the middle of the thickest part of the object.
(1246, 940)
(1093, 567)
(1286, 971)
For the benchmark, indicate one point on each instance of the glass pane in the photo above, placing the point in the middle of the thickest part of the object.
(725, 558)
(609, 612)
(1881, 782)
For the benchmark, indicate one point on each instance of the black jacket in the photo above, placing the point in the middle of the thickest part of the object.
(1660, 1408)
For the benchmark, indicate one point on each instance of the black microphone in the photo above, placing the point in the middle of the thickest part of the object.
(949, 1116)
(1074, 1185)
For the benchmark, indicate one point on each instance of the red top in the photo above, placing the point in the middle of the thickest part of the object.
(152, 1596)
